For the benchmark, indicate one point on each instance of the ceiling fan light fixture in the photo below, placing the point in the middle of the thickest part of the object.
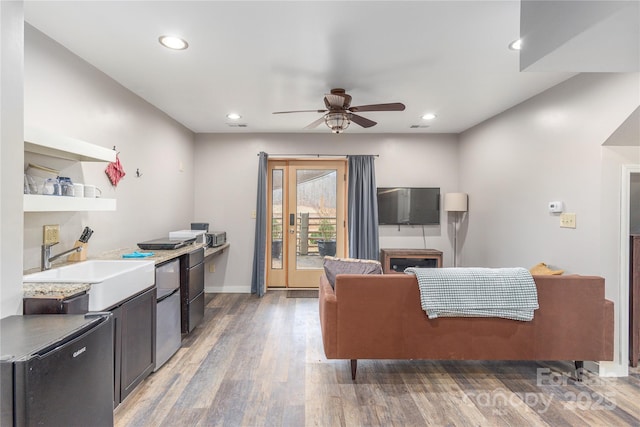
(234, 116)
(428, 116)
(173, 42)
(337, 122)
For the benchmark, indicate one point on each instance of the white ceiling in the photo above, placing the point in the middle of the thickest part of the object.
(446, 57)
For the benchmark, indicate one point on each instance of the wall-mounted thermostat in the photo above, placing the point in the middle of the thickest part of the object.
(556, 207)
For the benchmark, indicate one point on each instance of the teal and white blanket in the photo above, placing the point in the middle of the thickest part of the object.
(509, 293)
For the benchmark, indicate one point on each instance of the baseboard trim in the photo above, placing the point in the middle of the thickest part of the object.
(607, 369)
(227, 290)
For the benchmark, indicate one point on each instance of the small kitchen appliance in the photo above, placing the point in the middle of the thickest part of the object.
(198, 235)
(57, 369)
(200, 226)
(164, 244)
(216, 238)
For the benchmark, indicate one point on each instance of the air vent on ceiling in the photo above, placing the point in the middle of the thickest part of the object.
(237, 125)
(418, 126)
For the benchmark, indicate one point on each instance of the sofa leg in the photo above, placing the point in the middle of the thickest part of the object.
(579, 364)
(354, 366)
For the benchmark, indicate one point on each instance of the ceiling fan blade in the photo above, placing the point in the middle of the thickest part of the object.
(335, 100)
(393, 106)
(362, 121)
(315, 124)
(300, 111)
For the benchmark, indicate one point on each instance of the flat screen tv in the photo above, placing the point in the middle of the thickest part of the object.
(408, 206)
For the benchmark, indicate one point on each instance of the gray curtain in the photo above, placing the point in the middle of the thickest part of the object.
(260, 248)
(363, 208)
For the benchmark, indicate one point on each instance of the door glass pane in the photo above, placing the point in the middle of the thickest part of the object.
(277, 213)
(315, 217)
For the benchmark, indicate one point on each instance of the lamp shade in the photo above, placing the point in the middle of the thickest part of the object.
(456, 202)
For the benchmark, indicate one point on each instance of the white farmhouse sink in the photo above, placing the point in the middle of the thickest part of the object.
(111, 281)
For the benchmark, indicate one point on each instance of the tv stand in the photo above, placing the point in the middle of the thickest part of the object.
(396, 260)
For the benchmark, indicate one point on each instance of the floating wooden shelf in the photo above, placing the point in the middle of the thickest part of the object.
(40, 203)
(42, 142)
(49, 144)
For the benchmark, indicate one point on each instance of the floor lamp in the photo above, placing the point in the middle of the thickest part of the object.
(456, 203)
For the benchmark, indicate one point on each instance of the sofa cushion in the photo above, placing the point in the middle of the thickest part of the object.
(334, 266)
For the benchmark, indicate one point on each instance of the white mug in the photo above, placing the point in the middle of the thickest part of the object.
(78, 190)
(92, 191)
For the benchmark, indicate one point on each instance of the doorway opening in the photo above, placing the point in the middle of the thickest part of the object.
(306, 219)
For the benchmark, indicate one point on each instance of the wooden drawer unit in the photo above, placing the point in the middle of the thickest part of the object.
(396, 260)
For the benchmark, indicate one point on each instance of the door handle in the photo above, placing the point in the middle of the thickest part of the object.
(292, 219)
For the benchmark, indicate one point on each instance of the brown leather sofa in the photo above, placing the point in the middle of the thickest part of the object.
(379, 317)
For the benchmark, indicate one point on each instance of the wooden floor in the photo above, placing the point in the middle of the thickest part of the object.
(259, 362)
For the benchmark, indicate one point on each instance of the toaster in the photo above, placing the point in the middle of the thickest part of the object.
(216, 238)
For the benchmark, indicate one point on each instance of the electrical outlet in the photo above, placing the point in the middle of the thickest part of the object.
(253, 214)
(51, 234)
(212, 268)
(568, 220)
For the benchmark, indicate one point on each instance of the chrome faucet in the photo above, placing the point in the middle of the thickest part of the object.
(47, 258)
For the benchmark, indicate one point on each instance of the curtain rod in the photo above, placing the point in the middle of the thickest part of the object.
(318, 155)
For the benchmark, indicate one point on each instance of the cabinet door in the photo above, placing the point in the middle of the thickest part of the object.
(78, 304)
(138, 341)
(117, 353)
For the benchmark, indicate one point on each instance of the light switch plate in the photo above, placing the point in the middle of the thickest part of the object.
(568, 220)
(51, 234)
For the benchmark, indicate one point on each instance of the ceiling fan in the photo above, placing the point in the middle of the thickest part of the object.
(339, 112)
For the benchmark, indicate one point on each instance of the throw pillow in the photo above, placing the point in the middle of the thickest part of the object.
(334, 266)
(542, 269)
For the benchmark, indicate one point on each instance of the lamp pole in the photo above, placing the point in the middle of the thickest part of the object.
(455, 239)
(456, 203)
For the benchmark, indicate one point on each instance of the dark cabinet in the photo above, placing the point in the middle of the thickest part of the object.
(134, 342)
(192, 289)
(396, 260)
(75, 304)
(134, 334)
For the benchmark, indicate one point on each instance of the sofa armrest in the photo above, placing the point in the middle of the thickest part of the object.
(328, 318)
(577, 303)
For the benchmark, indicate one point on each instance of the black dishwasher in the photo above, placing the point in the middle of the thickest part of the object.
(192, 289)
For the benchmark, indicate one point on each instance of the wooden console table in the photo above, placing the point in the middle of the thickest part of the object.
(396, 260)
(634, 300)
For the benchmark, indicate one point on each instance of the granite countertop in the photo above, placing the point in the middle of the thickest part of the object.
(53, 290)
(160, 256)
(65, 290)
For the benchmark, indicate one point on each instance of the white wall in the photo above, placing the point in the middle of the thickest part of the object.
(66, 95)
(550, 148)
(226, 178)
(11, 99)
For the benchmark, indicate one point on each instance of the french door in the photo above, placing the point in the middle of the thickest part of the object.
(306, 219)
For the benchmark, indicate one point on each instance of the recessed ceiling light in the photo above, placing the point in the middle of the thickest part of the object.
(233, 116)
(428, 116)
(516, 44)
(173, 42)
